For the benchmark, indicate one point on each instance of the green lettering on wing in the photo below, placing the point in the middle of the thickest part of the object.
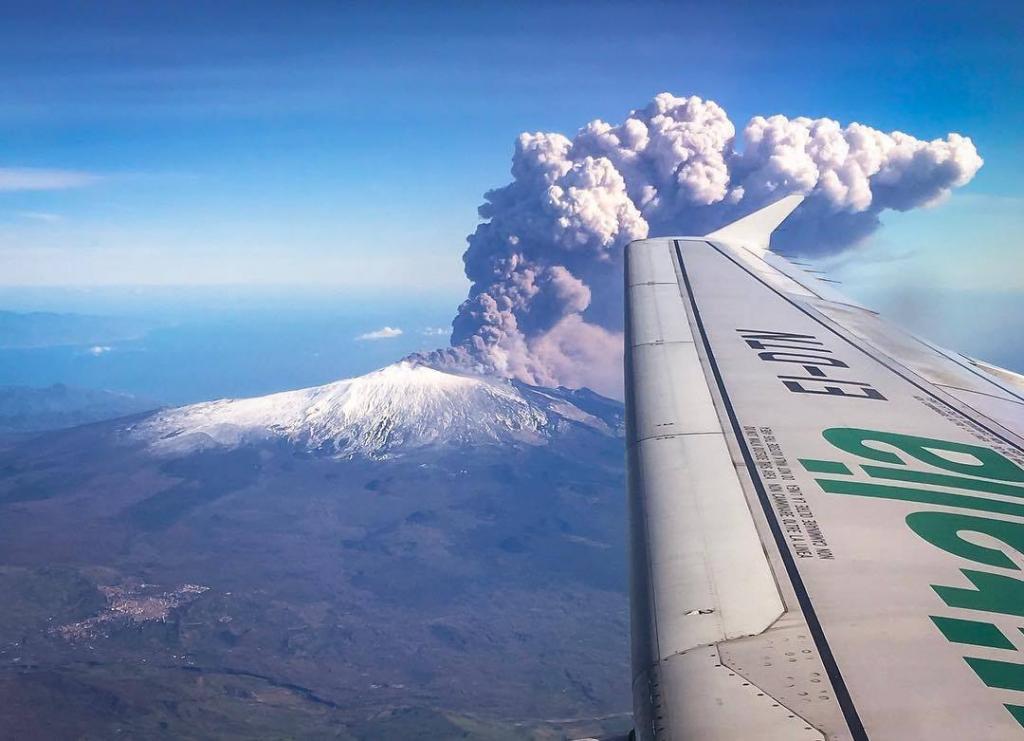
(961, 476)
(944, 530)
(989, 464)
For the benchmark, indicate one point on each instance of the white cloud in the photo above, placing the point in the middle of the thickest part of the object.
(436, 331)
(384, 333)
(31, 178)
(99, 349)
(41, 216)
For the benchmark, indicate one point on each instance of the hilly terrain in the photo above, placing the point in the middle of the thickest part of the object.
(408, 554)
(28, 409)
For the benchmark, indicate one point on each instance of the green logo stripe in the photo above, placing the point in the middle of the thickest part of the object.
(941, 479)
(1001, 674)
(816, 466)
(925, 496)
(972, 632)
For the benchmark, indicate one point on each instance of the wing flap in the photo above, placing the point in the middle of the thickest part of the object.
(700, 575)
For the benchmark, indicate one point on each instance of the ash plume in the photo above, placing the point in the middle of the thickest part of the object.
(545, 305)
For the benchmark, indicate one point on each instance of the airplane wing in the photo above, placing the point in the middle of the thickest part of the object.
(826, 512)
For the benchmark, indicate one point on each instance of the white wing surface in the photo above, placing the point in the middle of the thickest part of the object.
(827, 513)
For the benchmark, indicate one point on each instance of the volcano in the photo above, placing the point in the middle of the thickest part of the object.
(412, 553)
(399, 409)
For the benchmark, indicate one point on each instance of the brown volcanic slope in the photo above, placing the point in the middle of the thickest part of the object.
(263, 589)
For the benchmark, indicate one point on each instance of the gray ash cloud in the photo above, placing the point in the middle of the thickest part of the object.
(545, 263)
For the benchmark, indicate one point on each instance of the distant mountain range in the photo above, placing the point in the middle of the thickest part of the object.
(407, 554)
(26, 409)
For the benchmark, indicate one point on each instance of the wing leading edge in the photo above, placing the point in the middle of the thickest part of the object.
(800, 477)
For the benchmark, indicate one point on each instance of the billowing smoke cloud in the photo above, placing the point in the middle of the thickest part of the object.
(545, 304)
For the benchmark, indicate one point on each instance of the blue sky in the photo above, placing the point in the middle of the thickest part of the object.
(347, 145)
(350, 143)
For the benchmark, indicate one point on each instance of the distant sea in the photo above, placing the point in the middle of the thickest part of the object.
(207, 343)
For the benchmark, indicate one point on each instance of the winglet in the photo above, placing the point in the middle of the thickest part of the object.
(754, 231)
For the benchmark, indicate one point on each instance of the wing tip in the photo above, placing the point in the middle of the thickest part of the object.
(754, 231)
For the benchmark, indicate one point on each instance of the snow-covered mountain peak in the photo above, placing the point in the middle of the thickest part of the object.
(401, 407)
